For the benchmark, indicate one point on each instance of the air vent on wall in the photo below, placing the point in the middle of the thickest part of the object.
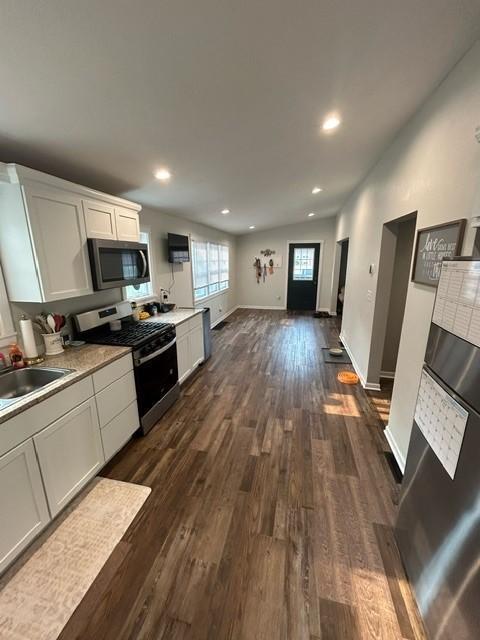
(477, 134)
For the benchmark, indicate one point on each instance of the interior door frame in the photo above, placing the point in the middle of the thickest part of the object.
(320, 269)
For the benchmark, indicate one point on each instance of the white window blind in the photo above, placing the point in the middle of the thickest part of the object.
(210, 268)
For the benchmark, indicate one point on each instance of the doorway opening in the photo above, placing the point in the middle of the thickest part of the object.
(342, 275)
(303, 275)
(398, 239)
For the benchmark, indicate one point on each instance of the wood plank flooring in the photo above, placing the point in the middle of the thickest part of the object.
(272, 505)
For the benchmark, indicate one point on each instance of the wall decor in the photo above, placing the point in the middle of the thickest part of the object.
(432, 245)
(267, 252)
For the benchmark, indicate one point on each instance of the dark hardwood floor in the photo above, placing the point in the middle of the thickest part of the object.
(271, 509)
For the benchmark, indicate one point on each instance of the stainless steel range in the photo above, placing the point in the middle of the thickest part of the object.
(154, 355)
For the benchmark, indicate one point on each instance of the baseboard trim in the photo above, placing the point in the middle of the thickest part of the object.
(389, 375)
(280, 308)
(266, 307)
(221, 318)
(395, 450)
(369, 386)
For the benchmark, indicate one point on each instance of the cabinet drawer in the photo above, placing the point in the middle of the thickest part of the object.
(33, 420)
(119, 430)
(182, 329)
(195, 322)
(112, 372)
(116, 397)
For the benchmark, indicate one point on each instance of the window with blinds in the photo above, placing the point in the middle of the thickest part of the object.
(210, 268)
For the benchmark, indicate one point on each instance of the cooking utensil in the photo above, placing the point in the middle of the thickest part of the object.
(42, 324)
(51, 323)
(59, 321)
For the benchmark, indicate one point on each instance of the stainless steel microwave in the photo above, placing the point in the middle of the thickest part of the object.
(118, 264)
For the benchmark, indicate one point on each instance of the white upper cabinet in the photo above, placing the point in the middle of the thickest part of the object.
(45, 223)
(128, 226)
(59, 241)
(100, 220)
(109, 222)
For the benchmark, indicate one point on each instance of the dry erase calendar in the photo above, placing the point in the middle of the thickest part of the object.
(457, 305)
(442, 421)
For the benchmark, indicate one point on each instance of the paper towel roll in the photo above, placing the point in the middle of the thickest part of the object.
(30, 349)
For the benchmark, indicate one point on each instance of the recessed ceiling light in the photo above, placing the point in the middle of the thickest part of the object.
(225, 211)
(331, 122)
(311, 214)
(252, 226)
(163, 174)
(316, 190)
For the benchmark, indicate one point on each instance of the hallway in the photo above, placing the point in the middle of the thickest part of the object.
(272, 504)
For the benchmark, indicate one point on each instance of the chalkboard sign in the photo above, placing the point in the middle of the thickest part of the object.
(434, 244)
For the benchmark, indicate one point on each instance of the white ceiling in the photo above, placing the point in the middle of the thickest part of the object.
(229, 94)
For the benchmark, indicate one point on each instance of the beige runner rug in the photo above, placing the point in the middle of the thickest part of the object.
(41, 592)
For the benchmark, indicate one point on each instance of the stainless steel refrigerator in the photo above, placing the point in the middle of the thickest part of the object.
(438, 526)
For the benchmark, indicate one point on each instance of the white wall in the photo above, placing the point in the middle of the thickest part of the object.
(272, 293)
(433, 166)
(159, 225)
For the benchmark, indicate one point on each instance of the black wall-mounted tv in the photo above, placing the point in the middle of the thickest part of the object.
(178, 250)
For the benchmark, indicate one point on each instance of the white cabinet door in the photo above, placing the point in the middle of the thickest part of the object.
(70, 453)
(128, 226)
(60, 241)
(23, 507)
(184, 359)
(99, 220)
(196, 346)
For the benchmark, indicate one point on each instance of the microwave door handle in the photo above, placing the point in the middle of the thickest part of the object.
(155, 353)
(144, 262)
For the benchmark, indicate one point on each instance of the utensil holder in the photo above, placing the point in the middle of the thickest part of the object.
(53, 343)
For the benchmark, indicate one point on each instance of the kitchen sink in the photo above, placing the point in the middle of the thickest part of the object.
(17, 383)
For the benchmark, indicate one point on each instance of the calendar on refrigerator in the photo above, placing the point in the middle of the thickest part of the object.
(442, 421)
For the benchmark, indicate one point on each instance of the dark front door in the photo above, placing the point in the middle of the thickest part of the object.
(303, 259)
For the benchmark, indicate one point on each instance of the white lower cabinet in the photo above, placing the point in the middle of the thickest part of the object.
(23, 506)
(190, 352)
(196, 345)
(184, 360)
(69, 452)
(49, 452)
(119, 430)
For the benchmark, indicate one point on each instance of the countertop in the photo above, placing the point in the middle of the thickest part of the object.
(84, 360)
(177, 316)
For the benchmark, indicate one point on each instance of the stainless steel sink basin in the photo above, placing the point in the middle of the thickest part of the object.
(18, 383)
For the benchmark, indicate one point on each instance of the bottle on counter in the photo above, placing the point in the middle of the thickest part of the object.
(16, 356)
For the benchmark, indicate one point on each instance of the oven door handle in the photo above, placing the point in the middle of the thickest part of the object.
(155, 353)
(144, 261)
